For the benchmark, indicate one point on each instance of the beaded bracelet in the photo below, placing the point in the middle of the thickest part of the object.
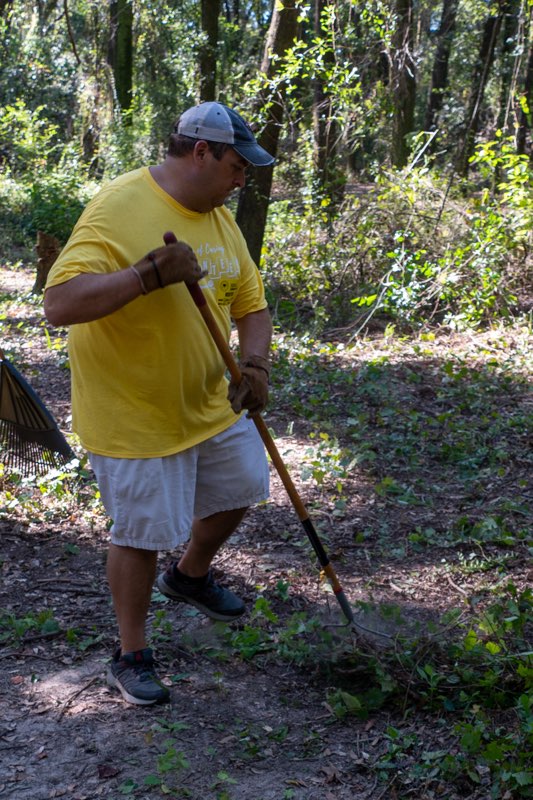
(151, 257)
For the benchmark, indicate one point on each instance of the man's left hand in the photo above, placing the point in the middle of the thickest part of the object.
(252, 392)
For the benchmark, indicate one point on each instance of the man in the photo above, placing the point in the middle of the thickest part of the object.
(149, 395)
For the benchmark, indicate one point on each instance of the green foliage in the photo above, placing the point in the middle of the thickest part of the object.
(472, 276)
(312, 57)
(15, 629)
(44, 185)
(161, 626)
(128, 141)
(170, 762)
(56, 202)
(327, 461)
(29, 138)
(485, 668)
(406, 251)
(504, 753)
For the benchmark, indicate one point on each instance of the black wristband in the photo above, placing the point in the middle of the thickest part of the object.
(151, 257)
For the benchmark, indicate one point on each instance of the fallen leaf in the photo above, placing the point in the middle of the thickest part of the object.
(332, 774)
(106, 771)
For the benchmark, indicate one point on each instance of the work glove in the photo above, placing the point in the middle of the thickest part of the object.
(252, 392)
(171, 263)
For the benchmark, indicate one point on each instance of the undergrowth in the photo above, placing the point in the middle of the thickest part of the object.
(474, 675)
(413, 250)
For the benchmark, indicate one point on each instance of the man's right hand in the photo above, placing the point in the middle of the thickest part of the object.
(171, 263)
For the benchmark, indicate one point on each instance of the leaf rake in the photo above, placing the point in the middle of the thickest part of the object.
(30, 439)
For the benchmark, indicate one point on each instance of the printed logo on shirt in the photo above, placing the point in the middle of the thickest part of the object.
(226, 291)
(222, 273)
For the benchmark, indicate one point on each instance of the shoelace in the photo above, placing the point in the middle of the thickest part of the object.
(145, 672)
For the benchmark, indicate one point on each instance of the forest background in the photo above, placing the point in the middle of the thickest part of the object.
(394, 234)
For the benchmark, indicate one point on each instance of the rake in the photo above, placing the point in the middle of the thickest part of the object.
(222, 346)
(224, 350)
(30, 439)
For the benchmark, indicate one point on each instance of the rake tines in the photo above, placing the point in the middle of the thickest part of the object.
(30, 440)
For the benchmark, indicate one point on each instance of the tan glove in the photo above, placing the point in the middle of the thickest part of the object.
(252, 392)
(169, 264)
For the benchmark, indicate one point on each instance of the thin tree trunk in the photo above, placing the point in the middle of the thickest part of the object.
(525, 114)
(324, 123)
(439, 75)
(120, 51)
(254, 198)
(209, 49)
(70, 32)
(508, 62)
(491, 30)
(404, 84)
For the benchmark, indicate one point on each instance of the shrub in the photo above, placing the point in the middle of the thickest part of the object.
(407, 251)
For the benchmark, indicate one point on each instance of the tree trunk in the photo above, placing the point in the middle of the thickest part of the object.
(508, 60)
(526, 110)
(324, 123)
(403, 84)
(439, 75)
(253, 200)
(45, 9)
(48, 249)
(491, 30)
(120, 51)
(209, 49)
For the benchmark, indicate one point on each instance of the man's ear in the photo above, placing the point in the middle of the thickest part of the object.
(201, 149)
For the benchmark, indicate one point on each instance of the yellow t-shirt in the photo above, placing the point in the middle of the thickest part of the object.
(147, 380)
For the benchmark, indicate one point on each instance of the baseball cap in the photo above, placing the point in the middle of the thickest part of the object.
(215, 122)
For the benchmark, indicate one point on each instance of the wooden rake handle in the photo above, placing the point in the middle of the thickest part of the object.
(224, 350)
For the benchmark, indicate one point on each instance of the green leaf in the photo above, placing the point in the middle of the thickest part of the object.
(523, 778)
(128, 786)
(470, 640)
(152, 780)
(351, 702)
(50, 626)
(493, 752)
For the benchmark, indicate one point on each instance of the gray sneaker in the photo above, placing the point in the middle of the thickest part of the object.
(135, 676)
(208, 597)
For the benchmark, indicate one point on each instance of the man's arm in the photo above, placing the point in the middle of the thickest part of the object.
(255, 333)
(90, 296)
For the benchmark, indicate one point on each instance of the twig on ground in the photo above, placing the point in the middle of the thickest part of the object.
(76, 694)
(455, 586)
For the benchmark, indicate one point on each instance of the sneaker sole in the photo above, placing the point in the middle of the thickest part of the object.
(165, 589)
(131, 698)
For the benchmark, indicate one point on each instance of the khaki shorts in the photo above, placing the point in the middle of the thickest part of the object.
(153, 501)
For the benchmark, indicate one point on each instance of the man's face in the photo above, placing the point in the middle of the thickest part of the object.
(221, 178)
